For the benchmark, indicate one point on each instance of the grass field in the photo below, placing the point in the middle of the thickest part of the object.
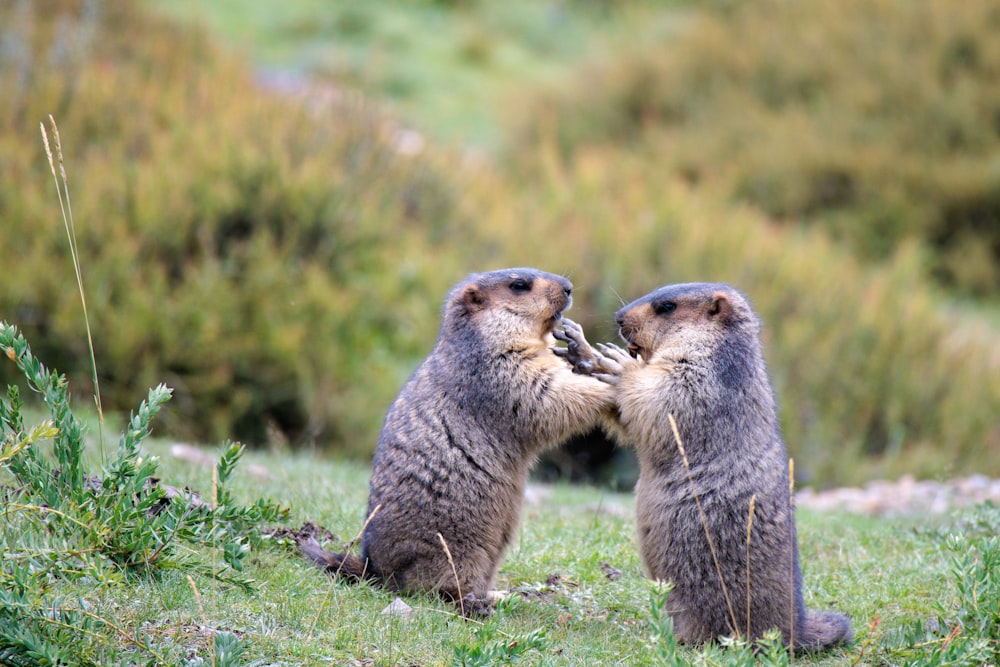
(567, 610)
(98, 568)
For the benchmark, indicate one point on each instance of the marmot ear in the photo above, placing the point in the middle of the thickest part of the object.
(473, 298)
(721, 307)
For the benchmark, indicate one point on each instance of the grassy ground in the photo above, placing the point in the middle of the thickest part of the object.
(569, 613)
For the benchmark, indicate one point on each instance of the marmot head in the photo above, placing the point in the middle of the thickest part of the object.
(511, 304)
(685, 321)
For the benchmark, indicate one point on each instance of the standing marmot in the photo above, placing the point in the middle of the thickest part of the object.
(697, 356)
(457, 443)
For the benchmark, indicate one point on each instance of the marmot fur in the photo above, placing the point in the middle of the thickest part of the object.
(457, 443)
(696, 355)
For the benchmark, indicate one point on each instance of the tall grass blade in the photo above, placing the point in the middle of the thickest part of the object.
(66, 207)
(753, 507)
(791, 558)
(704, 524)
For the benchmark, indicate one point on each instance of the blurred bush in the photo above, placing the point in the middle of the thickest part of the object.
(874, 375)
(280, 262)
(276, 263)
(877, 119)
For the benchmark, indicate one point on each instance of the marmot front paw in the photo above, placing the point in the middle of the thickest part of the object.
(578, 352)
(605, 364)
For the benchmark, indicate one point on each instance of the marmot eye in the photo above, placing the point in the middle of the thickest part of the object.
(664, 307)
(520, 285)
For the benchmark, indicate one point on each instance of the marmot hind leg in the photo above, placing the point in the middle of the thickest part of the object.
(348, 566)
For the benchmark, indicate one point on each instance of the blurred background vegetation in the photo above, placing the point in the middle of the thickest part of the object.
(272, 199)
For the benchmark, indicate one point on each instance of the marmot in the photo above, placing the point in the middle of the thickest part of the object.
(696, 355)
(458, 441)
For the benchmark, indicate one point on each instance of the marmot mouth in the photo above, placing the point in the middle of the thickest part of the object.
(627, 333)
(553, 321)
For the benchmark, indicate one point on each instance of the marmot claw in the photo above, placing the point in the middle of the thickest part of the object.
(578, 352)
(613, 356)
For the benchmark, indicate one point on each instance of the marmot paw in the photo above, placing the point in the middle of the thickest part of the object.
(476, 607)
(578, 352)
(612, 361)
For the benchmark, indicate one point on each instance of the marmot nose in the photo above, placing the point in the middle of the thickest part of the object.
(620, 319)
(566, 285)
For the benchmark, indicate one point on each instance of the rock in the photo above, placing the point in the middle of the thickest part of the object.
(191, 454)
(905, 496)
(536, 494)
(398, 608)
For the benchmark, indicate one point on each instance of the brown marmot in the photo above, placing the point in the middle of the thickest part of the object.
(456, 445)
(696, 355)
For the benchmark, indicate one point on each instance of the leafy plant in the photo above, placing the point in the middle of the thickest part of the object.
(491, 649)
(660, 623)
(62, 523)
(976, 568)
(227, 651)
(966, 628)
(922, 644)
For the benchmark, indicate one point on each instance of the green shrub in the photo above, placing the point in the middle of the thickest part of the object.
(488, 649)
(279, 264)
(874, 374)
(60, 523)
(878, 120)
(282, 265)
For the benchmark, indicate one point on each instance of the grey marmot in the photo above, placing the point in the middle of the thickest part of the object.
(694, 353)
(457, 443)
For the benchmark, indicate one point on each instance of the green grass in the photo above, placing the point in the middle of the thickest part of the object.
(891, 571)
(570, 536)
(452, 69)
(94, 573)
